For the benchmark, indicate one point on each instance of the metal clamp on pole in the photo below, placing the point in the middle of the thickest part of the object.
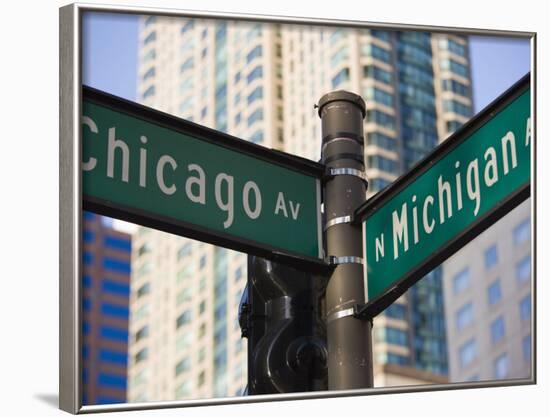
(333, 172)
(340, 260)
(339, 220)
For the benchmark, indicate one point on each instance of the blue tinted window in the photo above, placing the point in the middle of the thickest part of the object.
(491, 257)
(85, 327)
(112, 333)
(461, 281)
(464, 316)
(256, 116)
(522, 232)
(467, 353)
(188, 26)
(85, 376)
(381, 118)
(398, 359)
(86, 304)
(525, 308)
(184, 318)
(188, 64)
(396, 311)
(523, 269)
(116, 265)
(149, 92)
(381, 140)
(118, 243)
(115, 288)
(254, 53)
(526, 347)
(255, 95)
(111, 380)
(257, 136)
(501, 366)
(497, 330)
(120, 358)
(396, 336)
(494, 293)
(88, 236)
(255, 73)
(87, 281)
(114, 310)
(150, 38)
(87, 258)
(85, 351)
(340, 77)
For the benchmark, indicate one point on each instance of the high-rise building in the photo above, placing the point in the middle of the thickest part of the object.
(105, 310)
(488, 295)
(260, 82)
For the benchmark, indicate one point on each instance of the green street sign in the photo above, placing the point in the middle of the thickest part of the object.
(465, 185)
(160, 171)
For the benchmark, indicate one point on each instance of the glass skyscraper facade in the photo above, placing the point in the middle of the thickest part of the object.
(105, 310)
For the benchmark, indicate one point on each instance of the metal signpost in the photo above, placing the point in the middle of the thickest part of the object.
(465, 185)
(160, 171)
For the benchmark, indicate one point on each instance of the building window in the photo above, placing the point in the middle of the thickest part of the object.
(523, 269)
(184, 251)
(371, 71)
(467, 353)
(150, 38)
(142, 333)
(376, 52)
(254, 53)
(452, 46)
(455, 87)
(453, 66)
(188, 64)
(238, 345)
(501, 366)
(149, 56)
(461, 281)
(494, 293)
(383, 141)
(183, 366)
(257, 115)
(254, 74)
(381, 118)
(141, 355)
(382, 97)
(201, 379)
(464, 316)
(340, 77)
(338, 57)
(144, 290)
(491, 257)
(526, 348)
(184, 295)
(525, 308)
(149, 74)
(202, 262)
(188, 26)
(395, 336)
(453, 125)
(255, 95)
(456, 107)
(382, 163)
(183, 319)
(257, 136)
(522, 232)
(202, 307)
(150, 92)
(497, 330)
(396, 311)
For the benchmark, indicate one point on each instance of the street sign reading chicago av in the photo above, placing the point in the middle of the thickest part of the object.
(465, 185)
(160, 171)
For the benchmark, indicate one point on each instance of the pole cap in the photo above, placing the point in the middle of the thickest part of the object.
(342, 95)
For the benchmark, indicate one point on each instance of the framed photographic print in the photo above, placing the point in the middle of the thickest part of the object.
(256, 208)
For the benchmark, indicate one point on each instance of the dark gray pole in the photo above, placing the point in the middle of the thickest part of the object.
(348, 338)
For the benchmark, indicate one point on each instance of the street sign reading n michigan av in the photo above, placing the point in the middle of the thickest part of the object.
(163, 172)
(465, 185)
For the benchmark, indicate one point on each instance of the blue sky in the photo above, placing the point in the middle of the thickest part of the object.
(110, 58)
